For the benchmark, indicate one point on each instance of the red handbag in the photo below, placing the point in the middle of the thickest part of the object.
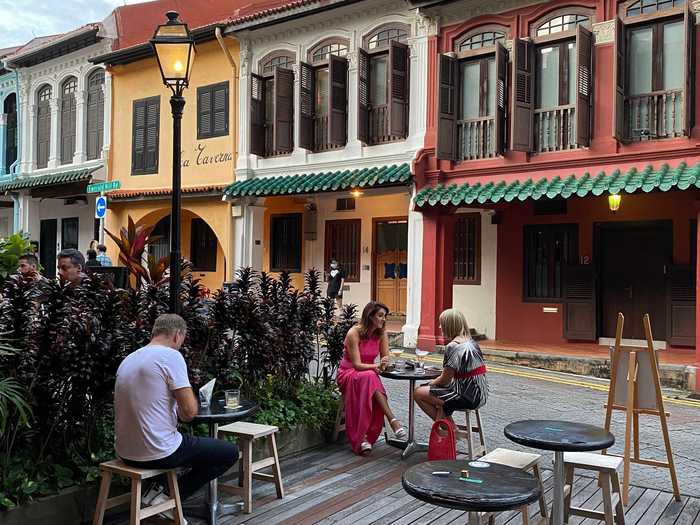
(442, 444)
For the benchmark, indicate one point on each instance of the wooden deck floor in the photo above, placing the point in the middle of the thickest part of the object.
(331, 485)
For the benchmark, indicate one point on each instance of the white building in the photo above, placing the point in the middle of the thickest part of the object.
(64, 138)
(333, 112)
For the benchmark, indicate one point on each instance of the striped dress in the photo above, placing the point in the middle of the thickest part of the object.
(469, 389)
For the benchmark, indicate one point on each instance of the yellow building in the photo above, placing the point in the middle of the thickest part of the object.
(140, 156)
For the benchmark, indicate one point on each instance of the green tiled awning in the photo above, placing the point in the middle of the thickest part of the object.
(395, 175)
(54, 179)
(664, 178)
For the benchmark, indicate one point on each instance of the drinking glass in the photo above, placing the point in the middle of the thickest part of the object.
(203, 401)
(233, 398)
(420, 357)
(396, 353)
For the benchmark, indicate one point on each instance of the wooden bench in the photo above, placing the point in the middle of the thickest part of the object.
(137, 475)
(246, 433)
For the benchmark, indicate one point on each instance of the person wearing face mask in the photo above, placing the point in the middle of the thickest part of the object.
(336, 280)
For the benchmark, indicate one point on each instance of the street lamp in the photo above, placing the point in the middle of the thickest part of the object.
(173, 46)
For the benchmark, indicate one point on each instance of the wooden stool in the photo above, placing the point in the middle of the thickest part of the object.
(523, 461)
(246, 434)
(339, 420)
(137, 475)
(467, 431)
(608, 481)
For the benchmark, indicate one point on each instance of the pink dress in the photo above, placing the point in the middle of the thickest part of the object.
(364, 418)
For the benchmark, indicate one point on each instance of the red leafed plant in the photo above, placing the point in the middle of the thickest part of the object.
(132, 242)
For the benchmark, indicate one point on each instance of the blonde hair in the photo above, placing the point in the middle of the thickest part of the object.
(169, 324)
(453, 324)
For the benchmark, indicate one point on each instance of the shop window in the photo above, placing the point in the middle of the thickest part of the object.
(203, 246)
(342, 243)
(547, 250)
(285, 242)
(212, 111)
(467, 249)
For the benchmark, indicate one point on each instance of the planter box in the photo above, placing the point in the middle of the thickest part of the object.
(290, 442)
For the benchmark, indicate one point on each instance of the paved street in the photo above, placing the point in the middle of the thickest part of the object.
(523, 393)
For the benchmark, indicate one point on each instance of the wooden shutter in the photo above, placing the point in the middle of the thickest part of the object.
(362, 96)
(67, 128)
(95, 122)
(342, 243)
(204, 120)
(680, 317)
(620, 72)
(584, 85)
(283, 110)
(152, 133)
(337, 100)
(501, 83)
(138, 136)
(257, 115)
(523, 65)
(220, 109)
(580, 302)
(43, 134)
(688, 94)
(307, 106)
(447, 108)
(398, 89)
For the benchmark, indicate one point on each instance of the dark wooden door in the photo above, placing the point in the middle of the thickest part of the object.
(47, 246)
(634, 261)
(69, 233)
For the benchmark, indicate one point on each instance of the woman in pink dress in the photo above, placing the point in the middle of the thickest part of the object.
(364, 396)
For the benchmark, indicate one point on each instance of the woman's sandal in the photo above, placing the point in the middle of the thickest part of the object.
(365, 448)
(401, 432)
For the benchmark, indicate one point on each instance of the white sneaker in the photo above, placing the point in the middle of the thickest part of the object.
(365, 447)
(168, 514)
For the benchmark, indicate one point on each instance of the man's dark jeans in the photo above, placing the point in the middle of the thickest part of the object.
(207, 458)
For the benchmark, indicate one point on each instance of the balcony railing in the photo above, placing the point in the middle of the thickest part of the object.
(655, 115)
(477, 138)
(555, 129)
(321, 134)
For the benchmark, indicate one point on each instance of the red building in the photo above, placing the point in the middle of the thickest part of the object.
(536, 116)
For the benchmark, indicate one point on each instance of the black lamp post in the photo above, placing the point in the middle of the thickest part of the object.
(174, 48)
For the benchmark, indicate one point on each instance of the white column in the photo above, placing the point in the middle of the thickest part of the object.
(80, 153)
(415, 266)
(29, 216)
(107, 97)
(243, 162)
(28, 146)
(55, 150)
(247, 237)
(418, 103)
(354, 146)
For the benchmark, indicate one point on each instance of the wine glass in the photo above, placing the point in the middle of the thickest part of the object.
(420, 356)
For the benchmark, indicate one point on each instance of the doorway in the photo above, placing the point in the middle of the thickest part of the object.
(69, 233)
(47, 246)
(633, 261)
(390, 263)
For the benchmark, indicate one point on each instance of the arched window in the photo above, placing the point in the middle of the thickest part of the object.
(43, 127)
(95, 113)
(332, 46)
(561, 23)
(283, 59)
(645, 7)
(10, 110)
(481, 37)
(383, 35)
(68, 117)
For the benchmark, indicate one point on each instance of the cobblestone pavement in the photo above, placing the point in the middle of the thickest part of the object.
(513, 397)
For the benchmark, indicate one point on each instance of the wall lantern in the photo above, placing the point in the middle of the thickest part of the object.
(174, 48)
(356, 193)
(614, 200)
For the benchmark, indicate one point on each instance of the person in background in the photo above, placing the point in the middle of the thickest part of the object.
(28, 266)
(102, 255)
(152, 390)
(364, 396)
(71, 266)
(93, 245)
(92, 259)
(462, 383)
(336, 280)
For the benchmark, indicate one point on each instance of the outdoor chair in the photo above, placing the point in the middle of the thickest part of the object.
(339, 420)
(246, 434)
(473, 434)
(137, 475)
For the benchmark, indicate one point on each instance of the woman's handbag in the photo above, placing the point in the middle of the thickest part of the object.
(442, 444)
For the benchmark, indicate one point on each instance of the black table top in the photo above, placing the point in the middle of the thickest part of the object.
(218, 413)
(501, 488)
(563, 436)
(410, 373)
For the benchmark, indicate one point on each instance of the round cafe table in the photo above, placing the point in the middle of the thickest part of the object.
(560, 437)
(410, 445)
(489, 488)
(214, 415)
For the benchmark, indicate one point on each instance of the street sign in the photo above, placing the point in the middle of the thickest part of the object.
(101, 187)
(100, 207)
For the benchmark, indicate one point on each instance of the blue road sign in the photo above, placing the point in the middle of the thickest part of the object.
(100, 207)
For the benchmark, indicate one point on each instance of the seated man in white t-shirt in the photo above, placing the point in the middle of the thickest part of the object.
(152, 390)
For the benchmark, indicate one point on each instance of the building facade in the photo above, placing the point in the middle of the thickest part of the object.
(537, 115)
(9, 158)
(332, 115)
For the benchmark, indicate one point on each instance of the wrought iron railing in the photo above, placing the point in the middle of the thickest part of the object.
(555, 128)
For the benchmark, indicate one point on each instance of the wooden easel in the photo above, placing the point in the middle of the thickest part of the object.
(636, 389)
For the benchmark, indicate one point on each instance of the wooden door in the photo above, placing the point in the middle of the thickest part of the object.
(69, 233)
(391, 264)
(634, 261)
(47, 246)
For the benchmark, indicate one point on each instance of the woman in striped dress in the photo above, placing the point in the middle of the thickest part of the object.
(462, 384)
